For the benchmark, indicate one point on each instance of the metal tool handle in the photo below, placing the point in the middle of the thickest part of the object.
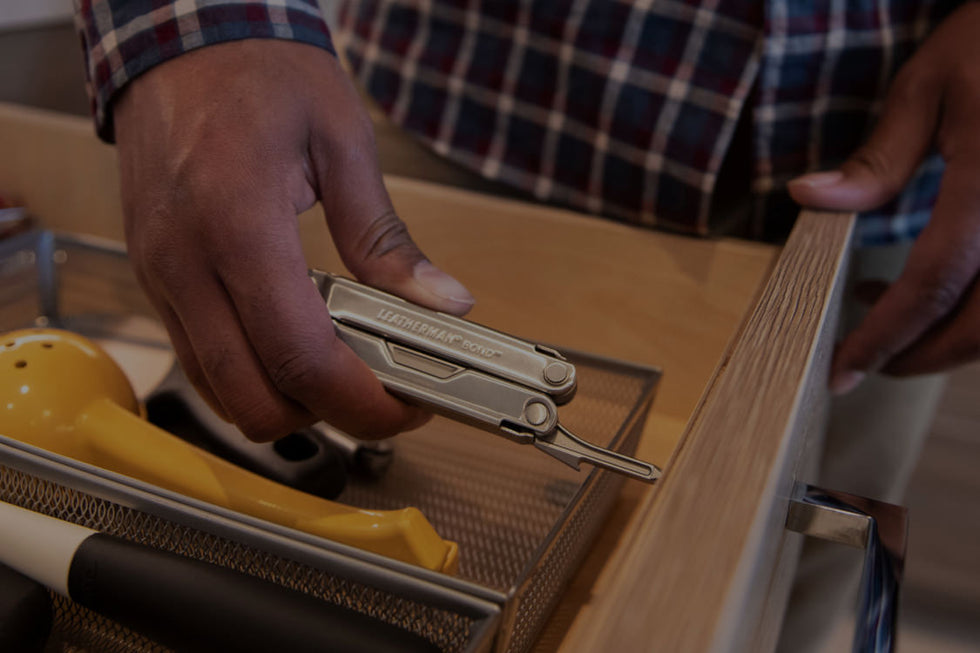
(881, 530)
(447, 337)
(456, 391)
(572, 450)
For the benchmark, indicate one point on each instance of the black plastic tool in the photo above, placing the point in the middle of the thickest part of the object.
(186, 604)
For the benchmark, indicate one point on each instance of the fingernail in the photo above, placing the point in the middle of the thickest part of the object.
(844, 382)
(818, 179)
(441, 284)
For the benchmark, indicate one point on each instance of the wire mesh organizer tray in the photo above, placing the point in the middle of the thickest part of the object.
(523, 521)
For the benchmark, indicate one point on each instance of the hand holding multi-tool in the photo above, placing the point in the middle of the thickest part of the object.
(466, 371)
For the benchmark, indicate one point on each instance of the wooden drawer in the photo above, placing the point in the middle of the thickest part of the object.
(743, 332)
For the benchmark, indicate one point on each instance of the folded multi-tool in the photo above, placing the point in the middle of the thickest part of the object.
(466, 371)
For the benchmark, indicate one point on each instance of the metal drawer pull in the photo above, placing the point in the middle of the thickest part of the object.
(879, 528)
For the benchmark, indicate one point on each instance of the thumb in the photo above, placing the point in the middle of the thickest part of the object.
(879, 169)
(371, 239)
(378, 250)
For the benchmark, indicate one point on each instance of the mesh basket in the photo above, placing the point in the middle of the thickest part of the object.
(523, 521)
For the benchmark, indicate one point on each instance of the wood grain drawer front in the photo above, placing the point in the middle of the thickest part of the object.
(697, 570)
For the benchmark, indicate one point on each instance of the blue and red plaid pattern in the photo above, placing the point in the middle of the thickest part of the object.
(826, 67)
(123, 38)
(627, 108)
(577, 102)
(624, 108)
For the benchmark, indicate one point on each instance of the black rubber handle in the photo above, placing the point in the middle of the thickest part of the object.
(191, 605)
(25, 612)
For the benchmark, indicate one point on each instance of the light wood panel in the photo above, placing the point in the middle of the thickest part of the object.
(696, 566)
(53, 164)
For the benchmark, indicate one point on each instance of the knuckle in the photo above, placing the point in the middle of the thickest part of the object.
(938, 293)
(260, 416)
(258, 423)
(384, 234)
(384, 237)
(294, 372)
(214, 363)
(879, 165)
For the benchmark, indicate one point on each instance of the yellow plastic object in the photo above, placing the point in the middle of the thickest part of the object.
(61, 392)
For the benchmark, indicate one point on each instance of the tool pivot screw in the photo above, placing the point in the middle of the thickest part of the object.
(556, 373)
(536, 413)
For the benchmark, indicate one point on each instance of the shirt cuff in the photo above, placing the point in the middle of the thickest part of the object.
(122, 39)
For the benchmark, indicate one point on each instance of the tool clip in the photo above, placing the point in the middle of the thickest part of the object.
(466, 371)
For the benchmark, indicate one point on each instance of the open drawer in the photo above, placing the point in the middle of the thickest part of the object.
(742, 331)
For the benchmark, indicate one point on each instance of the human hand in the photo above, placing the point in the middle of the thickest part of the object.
(929, 319)
(219, 150)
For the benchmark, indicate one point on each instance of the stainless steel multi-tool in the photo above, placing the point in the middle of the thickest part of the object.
(467, 372)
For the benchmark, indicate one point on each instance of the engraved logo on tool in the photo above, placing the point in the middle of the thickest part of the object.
(436, 333)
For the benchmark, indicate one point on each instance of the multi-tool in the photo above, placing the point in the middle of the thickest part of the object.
(466, 371)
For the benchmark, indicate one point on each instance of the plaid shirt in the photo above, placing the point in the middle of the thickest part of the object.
(619, 108)
(123, 38)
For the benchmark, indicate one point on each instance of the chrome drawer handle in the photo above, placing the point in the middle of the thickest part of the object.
(879, 528)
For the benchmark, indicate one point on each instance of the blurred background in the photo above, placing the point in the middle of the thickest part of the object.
(41, 66)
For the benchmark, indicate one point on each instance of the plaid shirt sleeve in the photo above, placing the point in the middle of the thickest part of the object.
(122, 39)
